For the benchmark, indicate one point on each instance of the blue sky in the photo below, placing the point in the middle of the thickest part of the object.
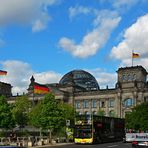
(48, 38)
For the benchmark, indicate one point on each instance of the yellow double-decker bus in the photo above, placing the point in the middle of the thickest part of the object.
(91, 129)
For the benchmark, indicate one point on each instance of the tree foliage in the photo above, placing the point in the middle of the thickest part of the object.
(101, 112)
(20, 110)
(51, 114)
(45, 114)
(34, 115)
(67, 112)
(138, 118)
(6, 117)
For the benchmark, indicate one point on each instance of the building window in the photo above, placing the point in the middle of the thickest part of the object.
(130, 77)
(128, 102)
(94, 103)
(111, 103)
(79, 113)
(86, 104)
(145, 99)
(124, 77)
(94, 113)
(78, 106)
(102, 104)
(87, 113)
(134, 77)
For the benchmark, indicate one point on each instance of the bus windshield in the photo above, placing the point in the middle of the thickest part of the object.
(83, 133)
(83, 120)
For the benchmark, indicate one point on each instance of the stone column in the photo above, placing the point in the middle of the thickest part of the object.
(90, 106)
(135, 97)
(119, 104)
(107, 106)
(140, 98)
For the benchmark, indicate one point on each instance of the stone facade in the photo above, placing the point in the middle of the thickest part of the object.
(5, 89)
(130, 90)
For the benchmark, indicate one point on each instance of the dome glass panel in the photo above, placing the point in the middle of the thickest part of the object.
(80, 78)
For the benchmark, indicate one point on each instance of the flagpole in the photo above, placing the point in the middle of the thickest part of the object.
(33, 103)
(33, 96)
(132, 57)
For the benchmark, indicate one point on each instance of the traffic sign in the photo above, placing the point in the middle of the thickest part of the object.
(67, 122)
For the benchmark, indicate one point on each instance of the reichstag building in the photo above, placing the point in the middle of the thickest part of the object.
(80, 89)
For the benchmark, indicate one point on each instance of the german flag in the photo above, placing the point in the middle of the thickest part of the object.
(41, 89)
(2, 72)
(135, 55)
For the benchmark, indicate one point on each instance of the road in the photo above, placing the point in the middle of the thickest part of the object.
(105, 145)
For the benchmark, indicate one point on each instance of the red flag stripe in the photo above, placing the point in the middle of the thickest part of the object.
(3, 72)
(136, 55)
(41, 89)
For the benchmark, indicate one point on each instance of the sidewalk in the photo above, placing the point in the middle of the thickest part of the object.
(48, 145)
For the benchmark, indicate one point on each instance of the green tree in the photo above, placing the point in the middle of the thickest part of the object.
(68, 117)
(50, 114)
(112, 114)
(138, 118)
(21, 109)
(35, 115)
(47, 114)
(101, 112)
(67, 112)
(6, 117)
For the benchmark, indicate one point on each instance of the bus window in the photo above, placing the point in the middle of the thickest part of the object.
(83, 133)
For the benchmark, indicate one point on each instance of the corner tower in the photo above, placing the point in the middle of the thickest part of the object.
(132, 88)
(132, 76)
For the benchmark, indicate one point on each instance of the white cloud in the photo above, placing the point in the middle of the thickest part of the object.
(73, 11)
(135, 38)
(19, 74)
(40, 24)
(121, 5)
(104, 78)
(24, 11)
(124, 3)
(140, 61)
(47, 77)
(104, 24)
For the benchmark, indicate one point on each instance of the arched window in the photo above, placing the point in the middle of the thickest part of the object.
(79, 113)
(111, 103)
(94, 103)
(77, 104)
(86, 104)
(128, 102)
(87, 113)
(94, 113)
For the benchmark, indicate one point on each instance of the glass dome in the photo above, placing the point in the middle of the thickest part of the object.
(80, 78)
